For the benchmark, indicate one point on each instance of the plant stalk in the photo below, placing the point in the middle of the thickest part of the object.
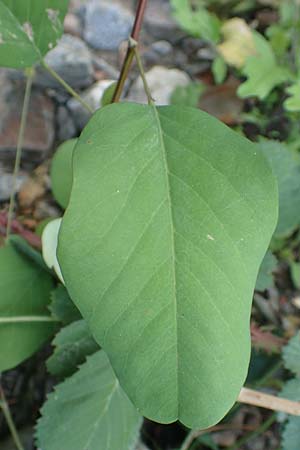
(134, 45)
(27, 319)
(9, 420)
(24, 115)
(135, 34)
(260, 430)
(67, 87)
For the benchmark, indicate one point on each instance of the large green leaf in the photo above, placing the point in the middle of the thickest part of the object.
(169, 218)
(72, 344)
(286, 167)
(29, 29)
(89, 411)
(25, 291)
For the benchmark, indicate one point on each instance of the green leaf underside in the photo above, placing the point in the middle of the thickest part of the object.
(160, 251)
(286, 167)
(29, 29)
(72, 344)
(89, 411)
(25, 291)
(61, 172)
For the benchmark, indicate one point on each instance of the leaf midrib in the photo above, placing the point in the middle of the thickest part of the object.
(170, 209)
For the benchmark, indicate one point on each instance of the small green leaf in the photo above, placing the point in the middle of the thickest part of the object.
(219, 69)
(29, 29)
(262, 71)
(293, 102)
(160, 252)
(108, 94)
(295, 273)
(61, 172)
(286, 167)
(291, 355)
(89, 411)
(73, 344)
(265, 279)
(62, 307)
(25, 292)
(198, 22)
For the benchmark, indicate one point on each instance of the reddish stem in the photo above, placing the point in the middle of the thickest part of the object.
(135, 34)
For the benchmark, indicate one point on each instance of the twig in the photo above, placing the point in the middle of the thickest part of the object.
(10, 422)
(30, 75)
(134, 45)
(260, 430)
(130, 51)
(256, 398)
(194, 434)
(67, 87)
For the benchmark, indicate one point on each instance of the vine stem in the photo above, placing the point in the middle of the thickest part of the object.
(140, 12)
(67, 87)
(24, 114)
(138, 58)
(27, 319)
(9, 420)
(260, 430)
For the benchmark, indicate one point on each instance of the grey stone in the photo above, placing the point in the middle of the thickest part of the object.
(161, 82)
(66, 128)
(159, 21)
(72, 60)
(39, 132)
(106, 24)
(162, 48)
(93, 98)
(6, 183)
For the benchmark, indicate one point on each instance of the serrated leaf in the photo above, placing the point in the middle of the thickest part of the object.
(25, 291)
(72, 345)
(262, 71)
(160, 252)
(292, 103)
(61, 172)
(291, 434)
(29, 29)
(265, 278)
(286, 167)
(89, 411)
(291, 355)
(62, 307)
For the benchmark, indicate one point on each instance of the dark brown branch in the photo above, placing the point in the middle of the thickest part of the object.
(135, 34)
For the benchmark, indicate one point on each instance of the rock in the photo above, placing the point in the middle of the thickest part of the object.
(93, 98)
(159, 21)
(162, 82)
(162, 48)
(6, 183)
(72, 60)
(39, 133)
(106, 24)
(72, 25)
(66, 128)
